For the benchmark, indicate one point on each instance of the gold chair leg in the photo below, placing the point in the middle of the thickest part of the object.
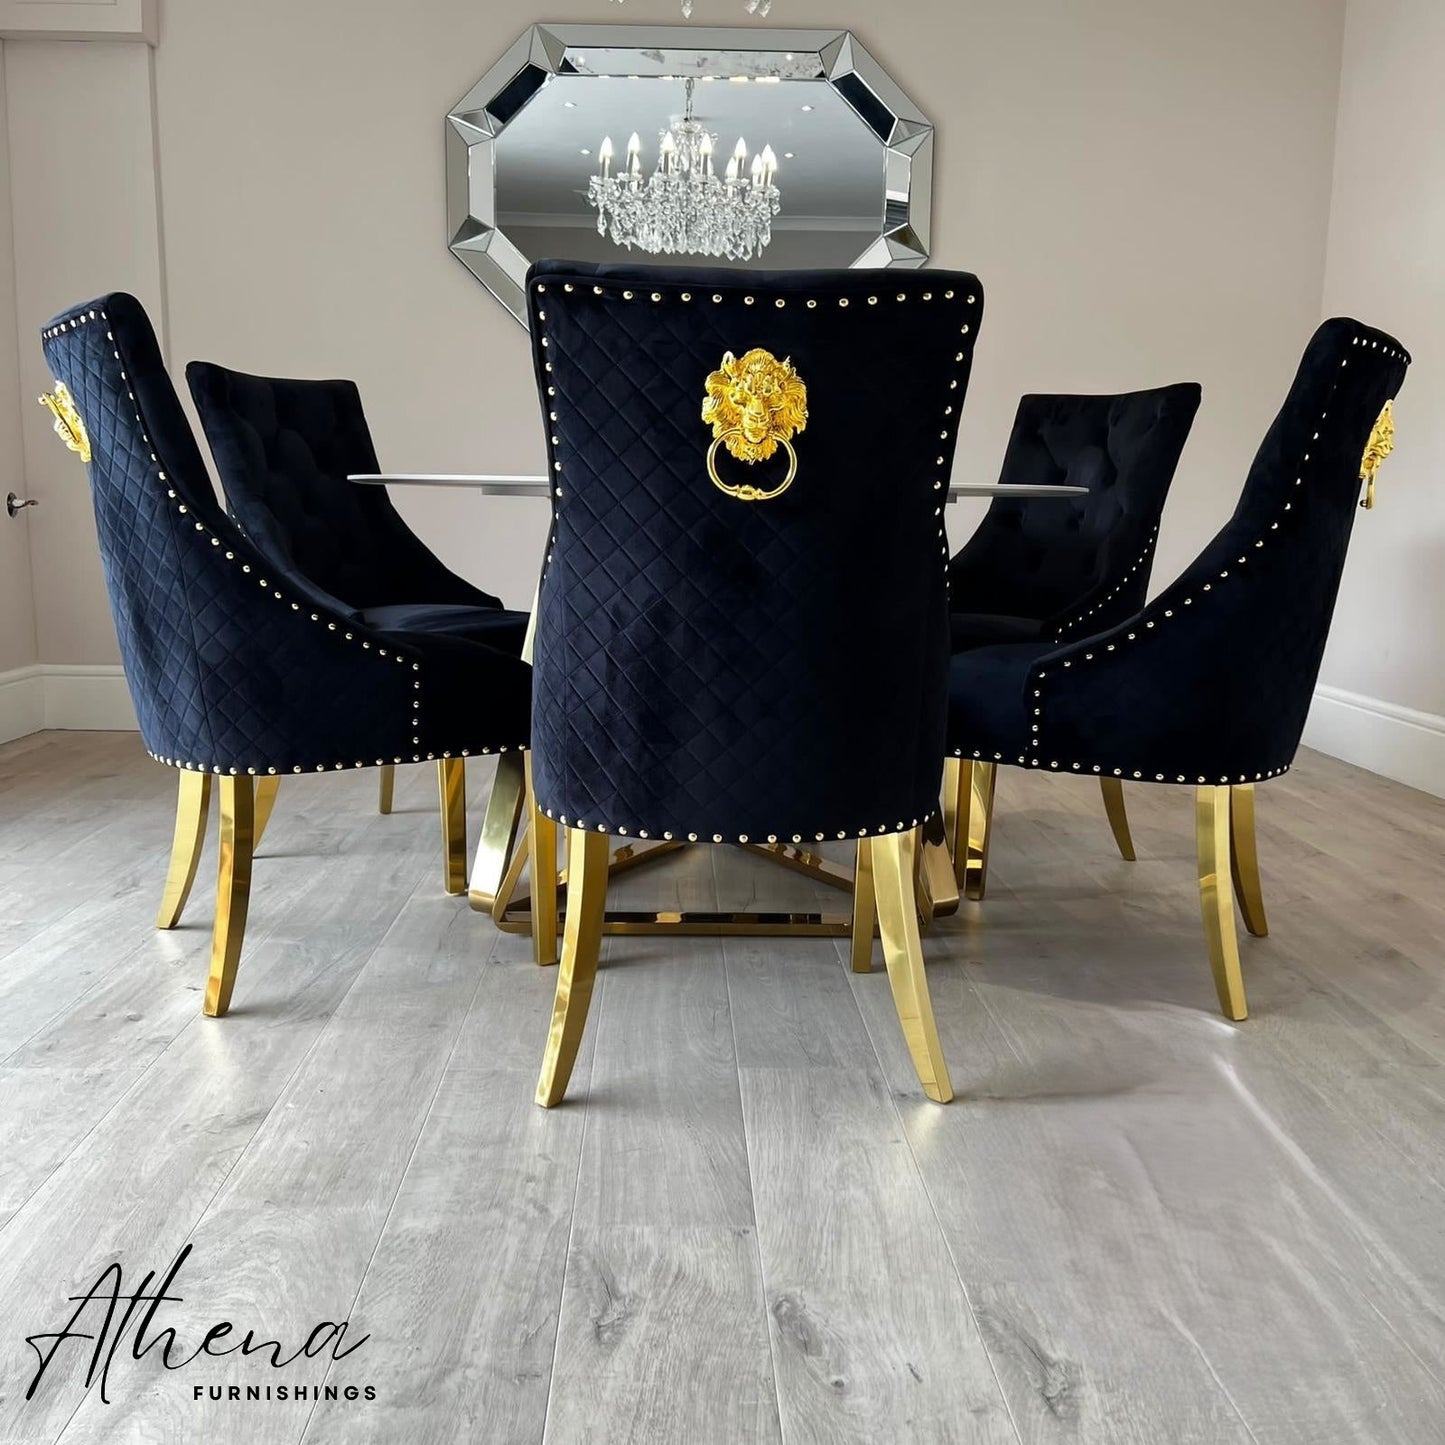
(1211, 826)
(452, 785)
(865, 909)
(233, 890)
(499, 832)
(193, 802)
(1113, 791)
(976, 783)
(542, 860)
(960, 777)
(893, 862)
(922, 894)
(266, 790)
(587, 858)
(1244, 859)
(936, 866)
(385, 787)
(952, 767)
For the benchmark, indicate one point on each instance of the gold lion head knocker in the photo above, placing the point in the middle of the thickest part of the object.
(755, 405)
(1380, 445)
(68, 425)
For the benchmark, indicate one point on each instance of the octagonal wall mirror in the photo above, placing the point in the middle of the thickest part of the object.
(854, 157)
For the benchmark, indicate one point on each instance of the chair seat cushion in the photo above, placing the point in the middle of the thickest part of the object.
(988, 711)
(473, 697)
(494, 626)
(986, 629)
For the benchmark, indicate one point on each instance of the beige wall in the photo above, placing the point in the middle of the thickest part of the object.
(1142, 186)
(17, 612)
(1386, 265)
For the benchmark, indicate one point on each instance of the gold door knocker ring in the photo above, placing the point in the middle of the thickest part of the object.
(746, 492)
(755, 405)
(1380, 445)
(68, 425)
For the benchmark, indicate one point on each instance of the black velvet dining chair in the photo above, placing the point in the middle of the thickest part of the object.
(1209, 684)
(283, 450)
(241, 675)
(742, 633)
(1050, 569)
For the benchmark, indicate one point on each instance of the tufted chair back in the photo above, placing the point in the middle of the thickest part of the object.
(1082, 563)
(1212, 681)
(229, 668)
(284, 450)
(727, 668)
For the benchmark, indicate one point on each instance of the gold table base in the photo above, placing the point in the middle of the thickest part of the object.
(502, 854)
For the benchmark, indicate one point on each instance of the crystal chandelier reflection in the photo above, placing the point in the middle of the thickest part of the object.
(685, 207)
(762, 8)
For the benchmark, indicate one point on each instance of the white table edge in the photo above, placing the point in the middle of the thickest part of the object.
(536, 486)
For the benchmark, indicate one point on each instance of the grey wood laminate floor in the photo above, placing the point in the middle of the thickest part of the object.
(1136, 1223)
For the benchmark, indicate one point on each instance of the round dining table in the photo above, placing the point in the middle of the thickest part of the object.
(501, 485)
(496, 872)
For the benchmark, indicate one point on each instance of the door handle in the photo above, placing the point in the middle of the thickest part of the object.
(15, 505)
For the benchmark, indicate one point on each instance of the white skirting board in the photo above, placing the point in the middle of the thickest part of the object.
(89, 696)
(22, 702)
(1396, 742)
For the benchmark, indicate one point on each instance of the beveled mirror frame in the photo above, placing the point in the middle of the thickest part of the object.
(478, 120)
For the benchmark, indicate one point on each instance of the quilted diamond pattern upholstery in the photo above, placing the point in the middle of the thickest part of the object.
(284, 450)
(1212, 681)
(726, 669)
(1072, 565)
(229, 666)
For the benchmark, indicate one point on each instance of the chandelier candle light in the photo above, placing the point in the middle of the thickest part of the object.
(760, 8)
(685, 207)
